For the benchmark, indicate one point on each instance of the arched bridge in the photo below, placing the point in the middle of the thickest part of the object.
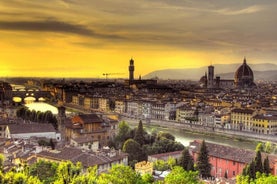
(30, 93)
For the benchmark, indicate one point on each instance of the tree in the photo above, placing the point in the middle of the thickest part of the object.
(166, 135)
(268, 147)
(148, 178)
(44, 170)
(123, 133)
(258, 162)
(260, 147)
(252, 170)
(139, 134)
(186, 161)
(266, 166)
(179, 176)
(67, 171)
(120, 174)
(135, 153)
(2, 159)
(203, 164)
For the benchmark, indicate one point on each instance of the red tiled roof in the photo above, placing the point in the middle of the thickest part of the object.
(31, 128)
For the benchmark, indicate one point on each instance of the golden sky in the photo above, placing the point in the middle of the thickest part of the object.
(86, 38)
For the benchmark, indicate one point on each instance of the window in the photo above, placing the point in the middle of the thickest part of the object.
(234, 163)
(234, 173)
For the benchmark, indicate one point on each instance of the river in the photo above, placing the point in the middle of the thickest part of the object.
(181, 136)
(185, 137)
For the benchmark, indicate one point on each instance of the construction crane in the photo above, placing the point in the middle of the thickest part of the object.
(108, 74)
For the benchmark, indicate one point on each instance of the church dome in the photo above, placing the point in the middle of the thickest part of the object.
(244, 76)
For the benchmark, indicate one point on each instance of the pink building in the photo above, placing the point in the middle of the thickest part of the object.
(229, 160)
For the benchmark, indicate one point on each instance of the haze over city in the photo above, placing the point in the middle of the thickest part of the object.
(78, 38)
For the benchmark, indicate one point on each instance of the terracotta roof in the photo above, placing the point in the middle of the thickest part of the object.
(161, 155)
(229, 153)
(244, 111)
(88, 118)
(225, 152)
(31, 128)
(265, 117)
(77, 155)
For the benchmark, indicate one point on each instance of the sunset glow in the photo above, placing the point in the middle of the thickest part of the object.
(80, 38)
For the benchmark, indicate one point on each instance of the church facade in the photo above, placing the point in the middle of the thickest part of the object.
(243, 78)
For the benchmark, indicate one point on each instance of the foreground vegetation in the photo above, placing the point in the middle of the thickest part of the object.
(139, 144)
(44, 172)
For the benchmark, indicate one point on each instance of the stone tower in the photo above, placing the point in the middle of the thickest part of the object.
(210, 76)
(61, 121)
(131, 70)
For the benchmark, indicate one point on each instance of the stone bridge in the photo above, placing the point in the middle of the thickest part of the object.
(35, 94)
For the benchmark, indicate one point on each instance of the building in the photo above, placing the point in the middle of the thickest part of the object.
(185, 113)
(243, 78)
(104, 159)
(132, 81)
(144, 167)
(28, 130)
(229, 161)
(241, 119)
(265, 124)
(165, 156)
(100, 129)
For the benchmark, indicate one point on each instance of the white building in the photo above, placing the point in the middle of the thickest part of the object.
(28, 130)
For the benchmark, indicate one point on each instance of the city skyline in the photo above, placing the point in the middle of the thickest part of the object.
(70, 38)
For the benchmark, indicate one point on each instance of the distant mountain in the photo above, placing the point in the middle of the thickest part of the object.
(265, 71)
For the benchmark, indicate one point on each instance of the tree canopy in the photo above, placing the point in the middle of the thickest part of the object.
(203, 164)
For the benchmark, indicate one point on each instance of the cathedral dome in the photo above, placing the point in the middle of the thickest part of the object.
(244, 76)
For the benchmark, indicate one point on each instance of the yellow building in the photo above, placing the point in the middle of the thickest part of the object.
(144, 167)
(265, 124)
(241, 119)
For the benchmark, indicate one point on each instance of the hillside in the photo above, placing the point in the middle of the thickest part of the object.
(265, 71)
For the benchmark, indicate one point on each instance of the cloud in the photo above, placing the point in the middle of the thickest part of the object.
(248, 10)
(53, 26)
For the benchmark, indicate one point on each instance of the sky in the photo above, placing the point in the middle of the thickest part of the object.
(86, 38)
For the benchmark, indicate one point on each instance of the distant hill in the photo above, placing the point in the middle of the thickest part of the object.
(265, 71)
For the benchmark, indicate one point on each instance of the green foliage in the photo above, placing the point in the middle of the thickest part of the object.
(268, 148)
(37, 116)
(252, 170)
(203, 164)
(134, 150)
(261, 179)
(44, 170)
(120, 174)
(260, 147)
(186, 161)
(165, 145)
(123, 133)
(139, 137)
(179, 176)
(266, 166)
(258, 162)
(67, 171)
(162, 135)
(161, 165)
(147, 178)
(2, 159)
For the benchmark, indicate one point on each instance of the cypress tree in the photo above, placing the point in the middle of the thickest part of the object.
(203, 164)
(252, 170)
(186, 161)
(258, 162)
(139, 134)
(266, 166)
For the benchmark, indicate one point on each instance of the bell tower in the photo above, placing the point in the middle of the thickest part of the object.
(131, 70)
(211, 76)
